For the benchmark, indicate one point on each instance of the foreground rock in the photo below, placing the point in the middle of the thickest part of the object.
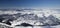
(2, 25)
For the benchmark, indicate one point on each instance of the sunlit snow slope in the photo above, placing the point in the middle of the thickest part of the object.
(33, 17)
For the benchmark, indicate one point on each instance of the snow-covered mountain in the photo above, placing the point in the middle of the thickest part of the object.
(35, 20)
(33, 17)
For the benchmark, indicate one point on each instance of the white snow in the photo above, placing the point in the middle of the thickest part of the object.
(36, 12)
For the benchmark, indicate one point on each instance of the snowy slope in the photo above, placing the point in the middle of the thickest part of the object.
(33, 17)
(36, 17)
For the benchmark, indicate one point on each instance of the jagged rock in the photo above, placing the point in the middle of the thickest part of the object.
(24, 24)
(2, 25)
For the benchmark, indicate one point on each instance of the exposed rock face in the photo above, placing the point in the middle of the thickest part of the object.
(24, 24)
(3, 25)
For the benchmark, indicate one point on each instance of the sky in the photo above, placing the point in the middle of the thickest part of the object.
(29, 3)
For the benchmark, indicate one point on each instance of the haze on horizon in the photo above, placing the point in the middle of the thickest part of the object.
(30, 4)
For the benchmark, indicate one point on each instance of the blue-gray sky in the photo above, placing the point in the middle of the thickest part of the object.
(29, 3)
